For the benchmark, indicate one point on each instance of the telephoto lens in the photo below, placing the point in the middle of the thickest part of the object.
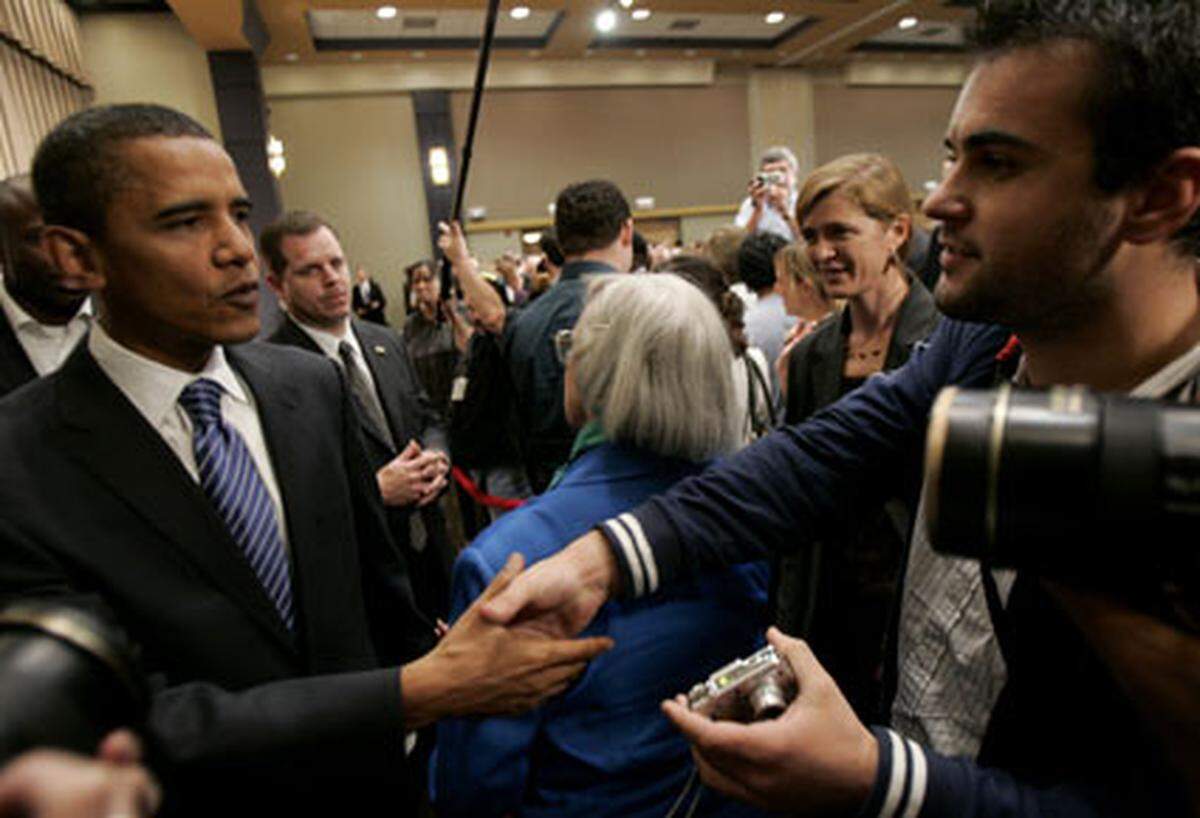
(67, 679)
(1100, 490)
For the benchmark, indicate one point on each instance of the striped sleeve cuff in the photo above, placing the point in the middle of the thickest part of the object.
(635, 558)
(901, 782)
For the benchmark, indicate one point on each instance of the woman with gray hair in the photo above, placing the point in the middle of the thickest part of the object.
(648, 384)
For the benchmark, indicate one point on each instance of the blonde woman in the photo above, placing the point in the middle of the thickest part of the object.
(855, 215)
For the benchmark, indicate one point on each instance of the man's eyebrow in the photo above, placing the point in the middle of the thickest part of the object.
(194, 206)
(989, 139)
(243, 202)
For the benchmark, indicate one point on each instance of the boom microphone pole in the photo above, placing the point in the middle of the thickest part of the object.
(485, 56)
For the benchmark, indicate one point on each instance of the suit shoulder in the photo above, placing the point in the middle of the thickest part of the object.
(27, 407)
(283, 358)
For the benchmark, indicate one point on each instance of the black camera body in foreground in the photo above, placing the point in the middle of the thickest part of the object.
(1099, 490)
(67, 678)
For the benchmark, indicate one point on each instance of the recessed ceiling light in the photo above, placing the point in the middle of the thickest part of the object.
(640, 14)
(291, 56)
(519, 12)
(775, 18)
(606, 21)
(626, 4)
(385, 12)
(419, 55)
(908, 22)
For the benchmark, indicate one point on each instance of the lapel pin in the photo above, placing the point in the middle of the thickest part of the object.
(380, 349)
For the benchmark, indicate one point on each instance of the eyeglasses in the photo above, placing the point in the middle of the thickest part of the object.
(562, 345)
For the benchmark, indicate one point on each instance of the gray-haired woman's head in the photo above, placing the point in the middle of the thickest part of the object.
(651, 361)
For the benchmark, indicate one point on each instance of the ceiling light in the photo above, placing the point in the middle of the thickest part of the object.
(606, 21)
(626, 4)
(519, 12)
(907, 23)
(385, 12)
(640, 14)
(775, 18)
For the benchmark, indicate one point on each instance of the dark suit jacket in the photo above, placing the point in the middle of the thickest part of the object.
(410, 416)
(15, 366)
(362, 306)
(247, 715)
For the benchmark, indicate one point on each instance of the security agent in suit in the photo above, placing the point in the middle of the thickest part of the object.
(43, 313)
(268, 654)
(405, 439)
(367, 299)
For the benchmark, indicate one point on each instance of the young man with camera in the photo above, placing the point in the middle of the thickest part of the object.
(1069, 211)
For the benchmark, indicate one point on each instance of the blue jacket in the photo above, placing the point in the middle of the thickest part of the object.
(603, 747)
(1041, 756)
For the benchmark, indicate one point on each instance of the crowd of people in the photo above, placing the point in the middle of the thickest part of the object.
(468, 566)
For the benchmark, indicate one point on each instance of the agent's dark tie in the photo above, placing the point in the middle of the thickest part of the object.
(364, 395)
(232, 482)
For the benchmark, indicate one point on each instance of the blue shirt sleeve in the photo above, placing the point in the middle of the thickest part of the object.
(480, 765)
(801, 482)
(915, 782)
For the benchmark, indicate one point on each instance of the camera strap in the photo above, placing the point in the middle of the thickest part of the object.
(1001, 624)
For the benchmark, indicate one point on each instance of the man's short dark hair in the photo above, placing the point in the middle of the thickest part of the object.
(78, 170)
(756, 260)
(589, 216)
(549, 245)
(1144, 101)
(292, 223)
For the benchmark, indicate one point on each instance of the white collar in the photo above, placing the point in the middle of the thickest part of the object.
(153, 387)
(19, 318)
(329, 341)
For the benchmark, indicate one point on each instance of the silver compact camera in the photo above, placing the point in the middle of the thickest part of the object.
(756, 688)
(775, 178)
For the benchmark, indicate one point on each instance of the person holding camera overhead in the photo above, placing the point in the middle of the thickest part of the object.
(770, 203)
(648, 382)
(1070, 208)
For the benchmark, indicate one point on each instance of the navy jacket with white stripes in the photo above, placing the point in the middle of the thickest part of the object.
(1044, 752)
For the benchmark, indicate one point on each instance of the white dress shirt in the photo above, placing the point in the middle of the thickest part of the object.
(771, 220)
(47, 345)
(154, 389)
(329, 341)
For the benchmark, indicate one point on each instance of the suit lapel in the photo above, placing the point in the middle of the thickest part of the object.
(15, 366)
(389, 381)
(111, 439)
(829, 361)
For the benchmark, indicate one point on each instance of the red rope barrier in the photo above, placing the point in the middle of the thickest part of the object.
(464, 480)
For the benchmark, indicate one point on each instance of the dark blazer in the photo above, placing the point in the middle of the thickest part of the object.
(15, 366)
(362, 306)
(816, 363)
(837, 593)
(247, 716)
(410, 415)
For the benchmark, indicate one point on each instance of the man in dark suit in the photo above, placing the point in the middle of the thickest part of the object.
(405, 439)
(367, 299)
(43, 313)
(216, 499)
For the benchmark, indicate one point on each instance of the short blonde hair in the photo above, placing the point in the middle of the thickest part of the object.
(870, 180)
(799, 267)
(652, 363)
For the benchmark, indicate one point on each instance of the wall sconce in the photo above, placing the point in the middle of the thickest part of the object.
(439, 166)
(275, 160)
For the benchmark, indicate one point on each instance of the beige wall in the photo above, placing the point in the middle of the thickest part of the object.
(148, 58)
(683, 146)
(906, 123)
(354, 160)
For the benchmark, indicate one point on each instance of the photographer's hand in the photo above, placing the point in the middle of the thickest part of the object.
(815, 759)
(54, 784)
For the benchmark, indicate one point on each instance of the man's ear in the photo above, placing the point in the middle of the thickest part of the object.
(627, 232)
(75, 254)
(275, 282)
(1167, 201)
